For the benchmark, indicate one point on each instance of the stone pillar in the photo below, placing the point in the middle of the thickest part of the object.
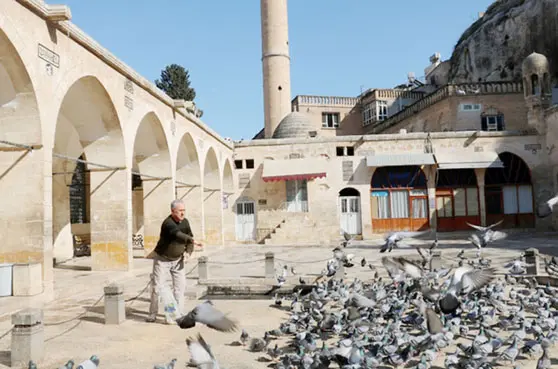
(430, 173)
(543, 189)
(436, 260)
(269, 265)
(229, 220)
(340, 273)
(27, 337)
(193, 203)
(115, 304)
(21, 212)
(203, 269)
(111, 243)
(212, 205)
(63, 247)
(480, 173)
(532, 257)
(157, 196)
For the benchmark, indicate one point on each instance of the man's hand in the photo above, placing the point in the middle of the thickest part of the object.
(199, 244)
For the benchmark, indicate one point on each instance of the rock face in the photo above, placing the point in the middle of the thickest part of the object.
(493, 48)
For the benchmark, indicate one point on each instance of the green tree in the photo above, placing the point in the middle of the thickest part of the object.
(175, 81)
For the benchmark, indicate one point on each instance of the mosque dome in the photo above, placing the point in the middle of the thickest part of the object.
(535, 64)
(294, 125)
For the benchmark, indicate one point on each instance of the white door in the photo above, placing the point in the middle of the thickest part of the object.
(245, 221)
(297, 195)
(350, 214)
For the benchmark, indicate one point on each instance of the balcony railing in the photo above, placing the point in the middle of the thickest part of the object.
(468, 89)
(325, 100)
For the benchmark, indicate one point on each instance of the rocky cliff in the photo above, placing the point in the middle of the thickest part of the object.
(493, 48)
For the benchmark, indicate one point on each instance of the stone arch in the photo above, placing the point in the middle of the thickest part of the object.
(188, 181)
(88, 126)
(212, 199)
(509, 193)
(152, 180)
(22, 211)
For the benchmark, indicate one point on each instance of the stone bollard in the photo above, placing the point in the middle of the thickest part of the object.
(269, 265)
(532, 257)
(436, 260)
(340, 272)
(27, 337)
(115, 305)
(203, 270)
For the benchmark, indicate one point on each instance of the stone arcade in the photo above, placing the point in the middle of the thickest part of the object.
(72, 115)
(91, 152)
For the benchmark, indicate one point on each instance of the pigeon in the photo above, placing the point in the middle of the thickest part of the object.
(392, 239)
(545, 208)
(463, 282)
(201, 354)
(207, 314)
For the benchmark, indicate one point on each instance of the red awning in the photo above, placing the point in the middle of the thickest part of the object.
(294, 177)
(294, 169)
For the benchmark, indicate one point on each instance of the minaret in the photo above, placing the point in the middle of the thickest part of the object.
(276, 63)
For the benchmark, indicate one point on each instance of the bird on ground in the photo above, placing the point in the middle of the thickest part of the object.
(547, 207)
(207, 314)
(393, 239)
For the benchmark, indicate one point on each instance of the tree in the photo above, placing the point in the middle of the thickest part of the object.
(175, 81)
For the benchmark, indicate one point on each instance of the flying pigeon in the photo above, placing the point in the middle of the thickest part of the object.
(392, 239)
(545, 208)
(207, 314)
(464, 281)
(201, 354)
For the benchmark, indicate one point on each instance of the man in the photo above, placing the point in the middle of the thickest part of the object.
(175, 240)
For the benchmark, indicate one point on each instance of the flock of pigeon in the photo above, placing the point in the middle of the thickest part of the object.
(462, 316)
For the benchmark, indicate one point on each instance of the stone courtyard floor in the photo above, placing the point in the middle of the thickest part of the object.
(74, 328)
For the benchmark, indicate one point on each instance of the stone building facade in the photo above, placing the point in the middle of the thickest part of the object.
(91, 152)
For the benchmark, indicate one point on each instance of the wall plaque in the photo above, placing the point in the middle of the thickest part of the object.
(129, 86)
(128, 102)
(49, 56)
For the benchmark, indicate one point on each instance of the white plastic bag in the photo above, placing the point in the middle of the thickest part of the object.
(170, 306)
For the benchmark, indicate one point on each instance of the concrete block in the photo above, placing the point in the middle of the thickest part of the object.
(436, 260)
(115, 304)
(532, 257)
(203, 268)
(27, 279)
(27, 337)
(269, 265)
(340, 273)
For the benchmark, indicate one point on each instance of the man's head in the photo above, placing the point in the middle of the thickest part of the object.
(177, 210)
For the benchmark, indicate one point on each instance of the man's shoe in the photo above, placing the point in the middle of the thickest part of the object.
(151, 319)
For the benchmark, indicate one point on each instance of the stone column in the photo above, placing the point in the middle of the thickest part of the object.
(157, 196)
(193, 202)
(203, 269)
(430, 173)
(269, 265)
(21, 212)
(480, 172)
(111, 245)
(212, 216)
(229, 221)
(63, 248)
(543, 189)
(27, 337)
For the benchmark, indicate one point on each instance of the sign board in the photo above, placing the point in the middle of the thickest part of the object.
(380, 193)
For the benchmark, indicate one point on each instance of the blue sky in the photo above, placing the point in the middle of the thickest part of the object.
(337, 46)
